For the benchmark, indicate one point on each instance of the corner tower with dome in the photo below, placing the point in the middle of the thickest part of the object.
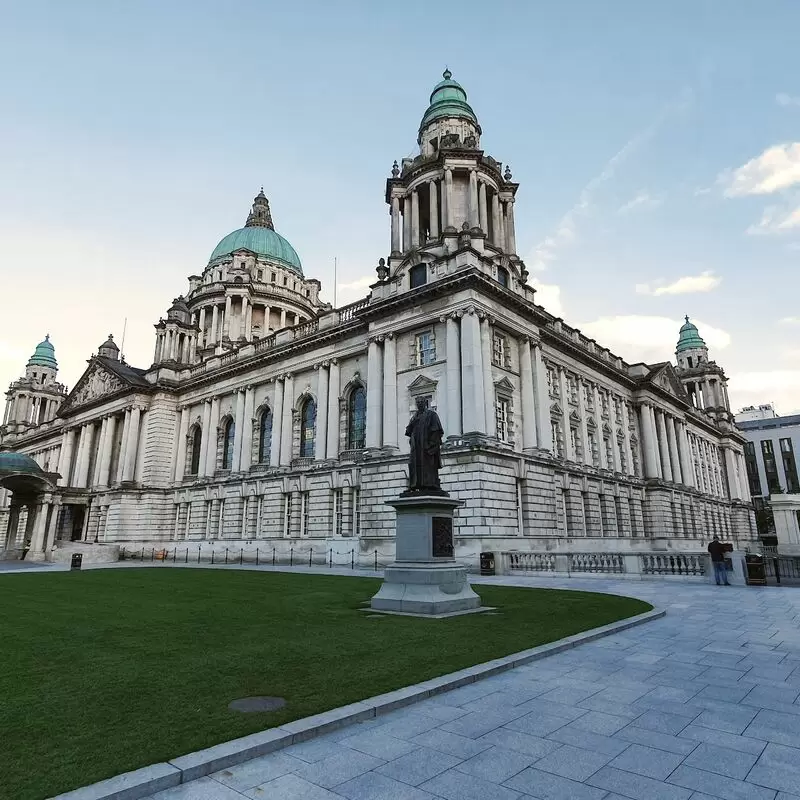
(268, 419)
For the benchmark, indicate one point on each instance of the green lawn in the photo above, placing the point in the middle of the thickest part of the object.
(105, 671)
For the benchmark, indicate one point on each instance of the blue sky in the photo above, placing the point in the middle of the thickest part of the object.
(657, 147)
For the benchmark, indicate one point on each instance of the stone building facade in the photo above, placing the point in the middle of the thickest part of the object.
(269, 415)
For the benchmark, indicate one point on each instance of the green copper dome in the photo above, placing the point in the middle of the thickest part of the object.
(689, 337)
(44, 355)
(448, 99)
(16, 463)
(259, 236)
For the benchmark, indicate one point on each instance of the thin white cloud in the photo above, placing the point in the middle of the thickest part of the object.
(566, 230)
(642, 199)
(688, 284)
(776, 220)
(789, 321)
(783, 99)
(354, 290)
(648, 338)
(780, 386)
(548, 295)
(777, 168)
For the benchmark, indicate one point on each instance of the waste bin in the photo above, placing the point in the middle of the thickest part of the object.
(756, 573)
(487, 563)
(77, 558)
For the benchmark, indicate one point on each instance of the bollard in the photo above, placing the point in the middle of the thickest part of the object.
(152, 553)
(256, 556)
(241, 554)
(199, 548)
(330, 559)
(310, 556)
(142, 554)
(273, 556)
(376, 561)
(291, 556)
(212, 555)
(122, 554)
(352, 558)
(186, 560)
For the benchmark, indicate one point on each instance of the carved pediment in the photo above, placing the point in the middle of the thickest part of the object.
(667, 379)
(421, 385)
(504, 385)
(574, 417)
(95, 383)
(555, 409)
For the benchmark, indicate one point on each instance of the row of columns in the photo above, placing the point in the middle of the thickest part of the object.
(40, 527)
(665, 445)
(174, 344)
(406, 231)
(34, 409)
(79, 444)
(227, 324)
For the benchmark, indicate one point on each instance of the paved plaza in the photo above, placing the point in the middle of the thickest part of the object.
(700, 704)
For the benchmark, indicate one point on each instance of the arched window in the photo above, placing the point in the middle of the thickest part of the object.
(227, 444)
(265, 436)
(308, 428)
(357, 418)
(197, 441)
(502, 276)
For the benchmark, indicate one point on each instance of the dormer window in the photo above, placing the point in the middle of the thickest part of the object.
(285, 281)
(274, 277)
(502, 277)
(418, 275)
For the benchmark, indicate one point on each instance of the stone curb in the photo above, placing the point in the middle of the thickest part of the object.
(149, 780)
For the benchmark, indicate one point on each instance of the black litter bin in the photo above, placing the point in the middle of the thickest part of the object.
(756, 572)
(77, 558)
(487, 563)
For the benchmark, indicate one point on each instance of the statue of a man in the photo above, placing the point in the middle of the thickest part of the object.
(425, 438)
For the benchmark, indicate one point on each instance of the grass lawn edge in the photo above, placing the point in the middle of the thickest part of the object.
(147, 780)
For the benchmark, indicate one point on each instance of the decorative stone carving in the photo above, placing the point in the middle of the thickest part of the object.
(97, 383)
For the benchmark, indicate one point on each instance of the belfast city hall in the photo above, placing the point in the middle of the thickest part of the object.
(270, 419)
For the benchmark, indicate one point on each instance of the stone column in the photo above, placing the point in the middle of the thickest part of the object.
(321, 438)
(283, 318)
(213, 424)
(584, 430)
(602, 455)
(287, 432)
(415, 232)
(612, 423)
(474, 418)
(433, 210)
(448, 197)
(13, 524)
(529, 440)
(131, 448)
(52, 526)
(569, 451)
(180, 455)
(101, 444)
(661, 438)
(333, 410)
(247, 430)
(474, 221)
(65, 456)
(510, 233)
(374, 391)
(687, 469)
(407, 223)
(277, 421)
(626, 436)
(390, 391)
(267, 313)
(201, 337)
(495, 219)
(488, 382)
(226, 319)
(744, 484)
(544, 431)
(36, 550)
(213, 332)
(395, 217)
(733, 481)
(452, 423)
(238, 423)
(247, 314)
(674, 456)
(205, 438)
(648, 441)
(123, 445)
(82, 470)
(483, 211)
(502, 217)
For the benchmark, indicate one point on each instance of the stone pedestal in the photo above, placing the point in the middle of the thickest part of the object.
(425, 579)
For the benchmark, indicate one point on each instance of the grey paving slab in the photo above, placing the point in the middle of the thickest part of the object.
(520, 742)
(537, 724)
(455, 785)
(637, 787)
(573, 762)
(600, 722)
(743, 744)
(201, 789)
(547, 786)
(496, 764)
(287, 787)
(257, 770)
(419, 766)
(477, 723)
(374, 786)
(775, 726)
(647, 761)
(778, 767)
(663, 722)
(661, 741)
(338, 768)
(587, 740)
(719, 786)
(378, 744)
(451, 743)
(722, 760)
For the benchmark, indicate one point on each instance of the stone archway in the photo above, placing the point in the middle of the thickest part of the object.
(32, 493)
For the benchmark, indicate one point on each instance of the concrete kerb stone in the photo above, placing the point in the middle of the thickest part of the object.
(148, 780)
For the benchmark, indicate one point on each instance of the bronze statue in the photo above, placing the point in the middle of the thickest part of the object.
(425, 438)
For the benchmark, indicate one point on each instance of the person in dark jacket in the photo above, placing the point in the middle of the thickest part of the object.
(717, 551)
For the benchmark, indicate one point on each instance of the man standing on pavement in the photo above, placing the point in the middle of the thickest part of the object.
(717, 551)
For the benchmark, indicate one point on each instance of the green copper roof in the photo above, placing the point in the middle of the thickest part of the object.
(689, 337)
(262, 241)
(44, 355)
(448, 99)
(15, 463)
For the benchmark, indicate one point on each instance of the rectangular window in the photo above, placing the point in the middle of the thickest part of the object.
(632, 515)
(575, 442)
(590, 435)
(558, 441)
(336, 512)
(572, 390)
(623, 461)
(552, 383)
(770, 467)
(425, 348)
(789, 466)
(500, 350)
(588, 397)
(356, 512)
(603, 518)
(287, 514)
(274, 277)
(587, 521)
(604, 404)
(609, 452)
(751, 464)
(502, 419)
(304, 499)
(418, 275)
